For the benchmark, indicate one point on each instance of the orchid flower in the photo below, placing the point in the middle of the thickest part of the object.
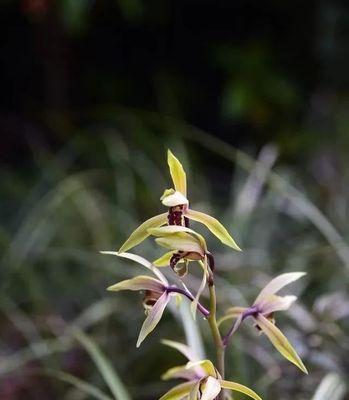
(178, 211)
(157, 290)
(185, 245)
(203, 380)
(262, 310)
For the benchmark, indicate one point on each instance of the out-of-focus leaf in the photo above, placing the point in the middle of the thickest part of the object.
(83, 386)
(104, 366)
(332, 387)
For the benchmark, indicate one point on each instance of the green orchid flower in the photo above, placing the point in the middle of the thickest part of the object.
(185, 245)
(203, 380)
(179, 211)
(158, 292)
(262, 311)
(157, 295)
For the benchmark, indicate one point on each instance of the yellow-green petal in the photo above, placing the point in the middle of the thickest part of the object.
(179, 392)
(179, 372)
(239, 388)
(140, 282)
(153, 317)
(169, 230)
(214, 226)
(280, 342)
(180, 242)
(142, 233)
(182, 348)
(206, 365)
(164, 260)
(177, 172)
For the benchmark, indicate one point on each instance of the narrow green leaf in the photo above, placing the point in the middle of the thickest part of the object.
(104, 366)
(83, 386)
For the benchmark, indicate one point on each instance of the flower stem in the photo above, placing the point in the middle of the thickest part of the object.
(217, 338)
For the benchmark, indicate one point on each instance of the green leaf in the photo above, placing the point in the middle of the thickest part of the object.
(83, 386)
(177, 173)
(280, 342)
(141, 233)
(104, 366)
(239, 388)
(214, 226)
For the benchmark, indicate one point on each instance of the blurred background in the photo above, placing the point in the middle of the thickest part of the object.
(253, 98)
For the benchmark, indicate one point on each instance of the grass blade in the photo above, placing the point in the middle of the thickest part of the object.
(104, 366)
(78, 383)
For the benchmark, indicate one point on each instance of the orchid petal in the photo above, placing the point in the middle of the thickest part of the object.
(195, 391)
(141, 233)
(140, 260)
(177, 172)
(139, 283)
(210, 389)
(182, 348)
(153, 317)
(237, 324)
(231, 313)
(194, 304)
(179, 392)
(206, 365)
(214, 226)
(239, 388)
(275, 303)
(164, 260)
(181, 372)
(280, 342)
(174, 199)
(169, 230)
(278, 283)
(179, 242)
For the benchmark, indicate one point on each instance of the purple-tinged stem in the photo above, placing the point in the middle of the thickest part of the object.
(201, 308)
(247, 313)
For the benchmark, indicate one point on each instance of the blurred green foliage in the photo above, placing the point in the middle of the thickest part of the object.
(93, 93)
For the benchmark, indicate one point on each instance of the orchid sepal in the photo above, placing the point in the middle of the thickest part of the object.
(280, 342)
(214, 226)
(141, 233)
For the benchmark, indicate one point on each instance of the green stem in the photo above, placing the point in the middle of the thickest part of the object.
(217, 338)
